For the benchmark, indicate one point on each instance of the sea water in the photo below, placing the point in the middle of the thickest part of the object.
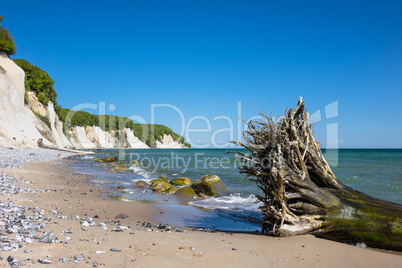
(377, 172)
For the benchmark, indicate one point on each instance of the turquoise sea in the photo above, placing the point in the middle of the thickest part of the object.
(377, 172)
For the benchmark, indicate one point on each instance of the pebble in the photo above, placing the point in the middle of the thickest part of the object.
(121, 216)
(69, 230)
(178, 229)
(78, 258)
(63, 259)
(44, 261)
(49, 238)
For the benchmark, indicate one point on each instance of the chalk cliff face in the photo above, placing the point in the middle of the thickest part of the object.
(23, 125)
(17, 122)
(92, 137)
(52, 129)
(168, 142)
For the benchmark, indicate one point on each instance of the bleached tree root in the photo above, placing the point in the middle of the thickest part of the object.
(301, 194)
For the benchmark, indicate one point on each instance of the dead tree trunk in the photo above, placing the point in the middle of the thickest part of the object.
(302, 194)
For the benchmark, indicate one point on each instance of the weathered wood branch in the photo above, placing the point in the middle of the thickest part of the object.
(302, 194)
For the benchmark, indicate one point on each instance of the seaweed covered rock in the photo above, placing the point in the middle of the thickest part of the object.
(108, 159)
(172, 190)
(186, 192)
(210, 185)
(181, 181)
(160, 179)
(141, 184)
(161, 187)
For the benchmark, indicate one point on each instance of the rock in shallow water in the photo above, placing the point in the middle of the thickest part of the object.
(141, 184)
(109, 159)
(210, 185)
(181, 181)
(161, 187)
(185, 192)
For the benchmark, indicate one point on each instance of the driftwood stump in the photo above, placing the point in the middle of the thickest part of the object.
(301, 194)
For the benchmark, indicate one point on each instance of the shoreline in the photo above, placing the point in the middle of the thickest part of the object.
(73, 194)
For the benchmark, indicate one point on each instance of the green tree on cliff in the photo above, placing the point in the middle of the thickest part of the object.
(6, 41)
(38, 81)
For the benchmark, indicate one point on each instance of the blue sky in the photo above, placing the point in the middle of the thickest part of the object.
(204, 57)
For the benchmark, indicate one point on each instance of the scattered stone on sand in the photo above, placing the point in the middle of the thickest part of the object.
(63, 259)
(44, 261)
(121, 216)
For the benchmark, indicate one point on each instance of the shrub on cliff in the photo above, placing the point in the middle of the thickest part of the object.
(6, 41)
(38, 81)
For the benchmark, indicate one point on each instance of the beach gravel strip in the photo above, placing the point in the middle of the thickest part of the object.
(15, 218)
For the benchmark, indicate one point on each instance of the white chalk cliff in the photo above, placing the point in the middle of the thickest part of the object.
(17, 122)
(21, 125)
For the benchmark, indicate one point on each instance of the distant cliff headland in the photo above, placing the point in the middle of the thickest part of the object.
(29, 113)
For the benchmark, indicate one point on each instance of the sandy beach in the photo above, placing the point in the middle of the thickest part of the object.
(71, 205)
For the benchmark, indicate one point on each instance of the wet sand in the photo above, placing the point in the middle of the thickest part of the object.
(72, 194)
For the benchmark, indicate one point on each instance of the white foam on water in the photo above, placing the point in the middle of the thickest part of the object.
(147, 177)
(234, 201)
